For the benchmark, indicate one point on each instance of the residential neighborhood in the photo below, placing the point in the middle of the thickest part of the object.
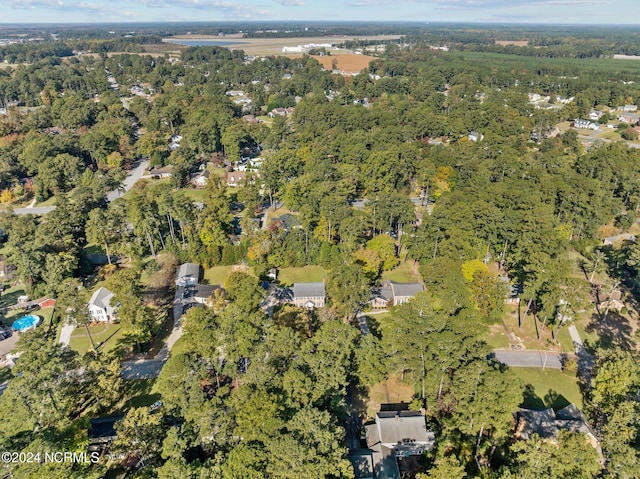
(397, 250)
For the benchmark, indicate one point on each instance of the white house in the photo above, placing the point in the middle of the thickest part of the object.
(475, 136)
(100, 307)
(188, 274)
(201, 179)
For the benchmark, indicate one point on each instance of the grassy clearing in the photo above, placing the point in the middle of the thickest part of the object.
(405, 273)
(527, 331)
(105, 337)
(306, 274)
(180, 347)
(51, 201)
(267, 120)
(9, 298)
(610, 135)
(496, 337)
(548, 388)
(377, 321)
(390, 391)
(559, 66)
(195, 194)
(138, 393)
(217, 274)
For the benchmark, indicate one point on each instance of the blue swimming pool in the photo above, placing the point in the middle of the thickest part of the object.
(26, 323)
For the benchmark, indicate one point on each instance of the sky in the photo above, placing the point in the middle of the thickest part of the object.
(493, 11)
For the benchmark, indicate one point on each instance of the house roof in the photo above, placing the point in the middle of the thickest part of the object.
(205, 290)
(396, 427)
(362, 462)
(620, 237)
(101, 298)
(103, 428)
(547, 423)
(308, 290)
(236, 175)
(400, 289)
(188, 270)
(287, 220)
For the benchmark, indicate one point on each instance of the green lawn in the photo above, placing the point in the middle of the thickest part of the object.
(140, 393)
(180, 347)
(496, 337)
(194, 194)
(405, 273)
(217, 274)
(137, 393)
(306, 274)
(548, 388)
(377, 321)
(10, 297)
(48, 202)
(105, 337)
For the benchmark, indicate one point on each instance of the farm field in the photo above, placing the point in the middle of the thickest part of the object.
(273, 46)
(347, 62)
(559, 66)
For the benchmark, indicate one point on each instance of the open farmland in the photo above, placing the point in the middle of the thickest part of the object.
(347, 62)
(273, 46)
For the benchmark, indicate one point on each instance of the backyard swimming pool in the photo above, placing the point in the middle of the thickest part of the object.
(26, 323)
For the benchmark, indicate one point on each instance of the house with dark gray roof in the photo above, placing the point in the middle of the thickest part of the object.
(190, 292)
(202, 292)
(396, 435)
(102, 432)
(547, 424)
(390, 293)
(188, 274)
(100, 306)
(308, 295)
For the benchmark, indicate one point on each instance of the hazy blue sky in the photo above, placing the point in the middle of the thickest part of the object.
(507, 11)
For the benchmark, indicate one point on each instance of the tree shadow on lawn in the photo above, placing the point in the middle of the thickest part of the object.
(552, 399)
(615, 330)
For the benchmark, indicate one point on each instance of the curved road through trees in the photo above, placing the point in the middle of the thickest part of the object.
(131, 179)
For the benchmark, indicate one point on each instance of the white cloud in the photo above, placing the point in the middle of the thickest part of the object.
(372, 3)
(483, 4)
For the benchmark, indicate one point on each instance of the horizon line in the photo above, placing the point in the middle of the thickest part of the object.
(300, 22)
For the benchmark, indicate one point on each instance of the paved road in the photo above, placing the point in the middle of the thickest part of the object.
(131, 179)
(142, 369)
(530, 359)
(38, 210)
